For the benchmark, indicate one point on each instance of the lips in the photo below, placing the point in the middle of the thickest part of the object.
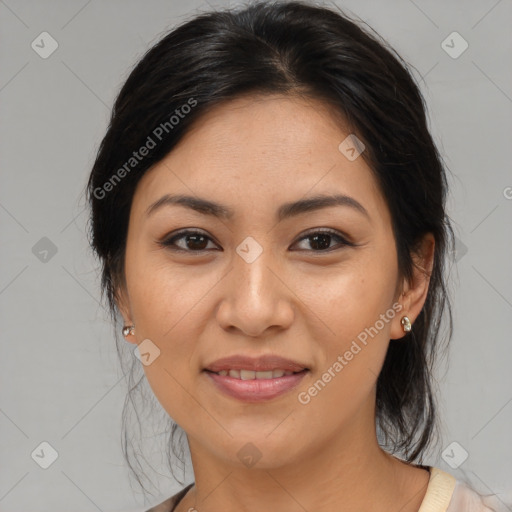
(263, 363)
(255, 379)
(251, 374)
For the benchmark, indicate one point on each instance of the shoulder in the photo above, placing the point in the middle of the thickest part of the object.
(447, 494)
(170, 503)
(466, 499)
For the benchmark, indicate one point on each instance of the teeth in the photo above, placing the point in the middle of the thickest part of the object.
(264, 375)
(251, 374)
(247, 374)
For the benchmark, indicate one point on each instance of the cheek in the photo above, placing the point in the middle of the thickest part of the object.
(168, 309)
(355, 306)
(171, 307)
(164, 295)
(349, 299)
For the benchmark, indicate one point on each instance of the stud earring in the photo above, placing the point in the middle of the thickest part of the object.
(128, 329)
(406, 323)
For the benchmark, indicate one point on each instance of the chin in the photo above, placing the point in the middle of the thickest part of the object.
(262, 451)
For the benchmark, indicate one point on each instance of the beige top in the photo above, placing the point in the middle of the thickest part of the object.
(444, 494)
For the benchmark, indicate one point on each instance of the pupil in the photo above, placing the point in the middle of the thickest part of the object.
(321, 241)
(319, 244)
(195, 243)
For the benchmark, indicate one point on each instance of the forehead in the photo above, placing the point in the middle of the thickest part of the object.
(254, 150)
(266, 127)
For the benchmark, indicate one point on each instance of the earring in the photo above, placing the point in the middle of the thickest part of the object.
(406, 323)
(128, 329)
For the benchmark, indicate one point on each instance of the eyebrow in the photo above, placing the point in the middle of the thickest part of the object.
(285, 211)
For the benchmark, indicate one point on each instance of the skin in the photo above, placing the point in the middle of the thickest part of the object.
(253, 154)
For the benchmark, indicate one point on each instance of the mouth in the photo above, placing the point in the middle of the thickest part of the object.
(255, 379)
(255, 367)
(251, 386)
(255, 375)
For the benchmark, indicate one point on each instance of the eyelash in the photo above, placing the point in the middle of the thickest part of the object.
(169, 243)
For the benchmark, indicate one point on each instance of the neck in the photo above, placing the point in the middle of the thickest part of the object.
(349, 469)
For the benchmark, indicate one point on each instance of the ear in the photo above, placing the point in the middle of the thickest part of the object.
(123, 303)
(414, 292)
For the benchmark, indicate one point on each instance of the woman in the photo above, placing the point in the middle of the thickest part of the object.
(269, 209)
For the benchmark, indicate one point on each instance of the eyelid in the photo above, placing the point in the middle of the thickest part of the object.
(327, 231)
(168, 241)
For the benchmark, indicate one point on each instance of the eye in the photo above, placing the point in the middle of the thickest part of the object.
(192, 241)
(196, 241)
(321, 240)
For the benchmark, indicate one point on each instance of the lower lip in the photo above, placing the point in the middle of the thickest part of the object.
(256, 390)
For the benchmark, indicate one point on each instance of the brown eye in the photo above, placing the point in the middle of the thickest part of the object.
(320, 241)
(190, 241)
(196, 241)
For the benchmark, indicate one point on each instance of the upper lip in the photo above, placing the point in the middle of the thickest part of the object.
(262, 363)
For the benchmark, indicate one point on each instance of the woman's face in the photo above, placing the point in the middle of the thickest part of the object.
(264, 280)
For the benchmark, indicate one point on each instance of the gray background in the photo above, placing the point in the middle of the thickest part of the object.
(60, 380)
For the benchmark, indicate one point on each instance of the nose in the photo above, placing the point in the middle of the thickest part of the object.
(255, 297)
